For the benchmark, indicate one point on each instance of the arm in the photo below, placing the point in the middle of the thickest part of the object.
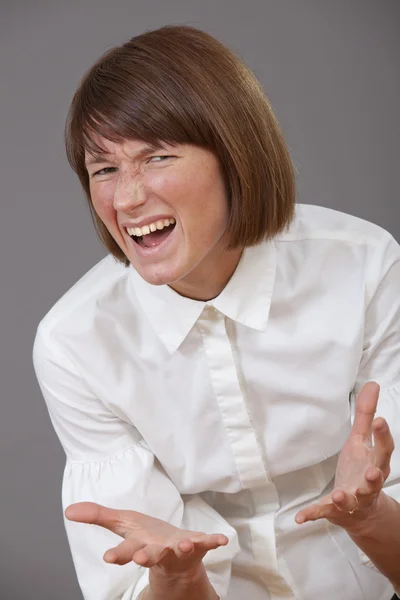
(195, 587)
(173, 555)
(369, 463)
(379, 538)
(358, 503)
(108, 463)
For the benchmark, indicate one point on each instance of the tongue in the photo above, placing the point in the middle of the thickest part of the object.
(156, 237)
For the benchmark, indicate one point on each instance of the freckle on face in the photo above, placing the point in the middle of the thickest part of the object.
(189, 188)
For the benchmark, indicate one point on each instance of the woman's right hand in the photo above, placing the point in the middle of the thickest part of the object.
(148, 541)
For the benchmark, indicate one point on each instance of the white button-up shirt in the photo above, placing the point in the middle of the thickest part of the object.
(228, 416)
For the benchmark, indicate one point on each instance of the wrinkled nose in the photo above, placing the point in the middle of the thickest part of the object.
(129, 193)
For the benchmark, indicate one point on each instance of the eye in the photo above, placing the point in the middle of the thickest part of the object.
(161, 157)
(105, 171)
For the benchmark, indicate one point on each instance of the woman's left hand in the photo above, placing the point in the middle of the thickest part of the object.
(362, 469)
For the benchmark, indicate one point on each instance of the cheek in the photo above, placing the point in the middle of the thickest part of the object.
(196, 194)
(170, 185)
(104, 206)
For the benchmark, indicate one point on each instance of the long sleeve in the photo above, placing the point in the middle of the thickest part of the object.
(109, 463)
(380, 360)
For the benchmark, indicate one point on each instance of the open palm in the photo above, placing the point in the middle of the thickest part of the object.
(148, 541)
(362, 468)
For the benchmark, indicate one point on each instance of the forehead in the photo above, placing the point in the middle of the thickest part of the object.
(99, 146)
(108, 148)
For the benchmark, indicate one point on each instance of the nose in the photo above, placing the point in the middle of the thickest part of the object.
(129, 192)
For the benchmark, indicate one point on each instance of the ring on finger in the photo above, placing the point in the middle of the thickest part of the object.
(350, 512)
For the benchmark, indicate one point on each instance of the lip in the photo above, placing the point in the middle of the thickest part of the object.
(143, 252)
(145, 221)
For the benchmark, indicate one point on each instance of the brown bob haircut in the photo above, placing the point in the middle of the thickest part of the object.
(179, 85)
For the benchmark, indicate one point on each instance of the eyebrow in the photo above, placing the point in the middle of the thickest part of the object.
(102, 156)
(93, 160)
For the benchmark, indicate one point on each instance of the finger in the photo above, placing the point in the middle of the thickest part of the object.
(201, 544)
(187, 547)
(87, 512)
(316, 511)
(366, 404)
(344, 501)
(96, 514)
(384, 444)
(123, 553)
(151, 555)
(212, 541)
(374, 479)
(300, 517)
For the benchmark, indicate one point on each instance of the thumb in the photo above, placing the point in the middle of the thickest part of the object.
(93, 514)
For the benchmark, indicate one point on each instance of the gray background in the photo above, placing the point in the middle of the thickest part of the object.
(331, 71)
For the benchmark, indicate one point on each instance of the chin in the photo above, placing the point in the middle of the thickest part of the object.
(160, 278)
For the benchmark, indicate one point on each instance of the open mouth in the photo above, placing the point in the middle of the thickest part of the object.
(154, 234)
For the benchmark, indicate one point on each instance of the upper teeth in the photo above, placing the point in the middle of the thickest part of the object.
(140, 231)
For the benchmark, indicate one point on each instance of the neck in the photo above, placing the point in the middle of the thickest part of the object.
(207, 282)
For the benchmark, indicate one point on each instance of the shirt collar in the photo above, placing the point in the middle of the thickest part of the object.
(245, 299)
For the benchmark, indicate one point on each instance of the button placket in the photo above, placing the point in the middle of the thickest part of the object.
(228, 392)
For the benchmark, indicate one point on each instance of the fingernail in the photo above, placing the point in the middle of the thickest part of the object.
(380, 428)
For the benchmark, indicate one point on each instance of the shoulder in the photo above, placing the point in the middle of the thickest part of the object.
(96, 288)
(320, 231)
(326, 241)
(318, 223)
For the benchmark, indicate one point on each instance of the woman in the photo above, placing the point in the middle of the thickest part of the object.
(202, 377)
